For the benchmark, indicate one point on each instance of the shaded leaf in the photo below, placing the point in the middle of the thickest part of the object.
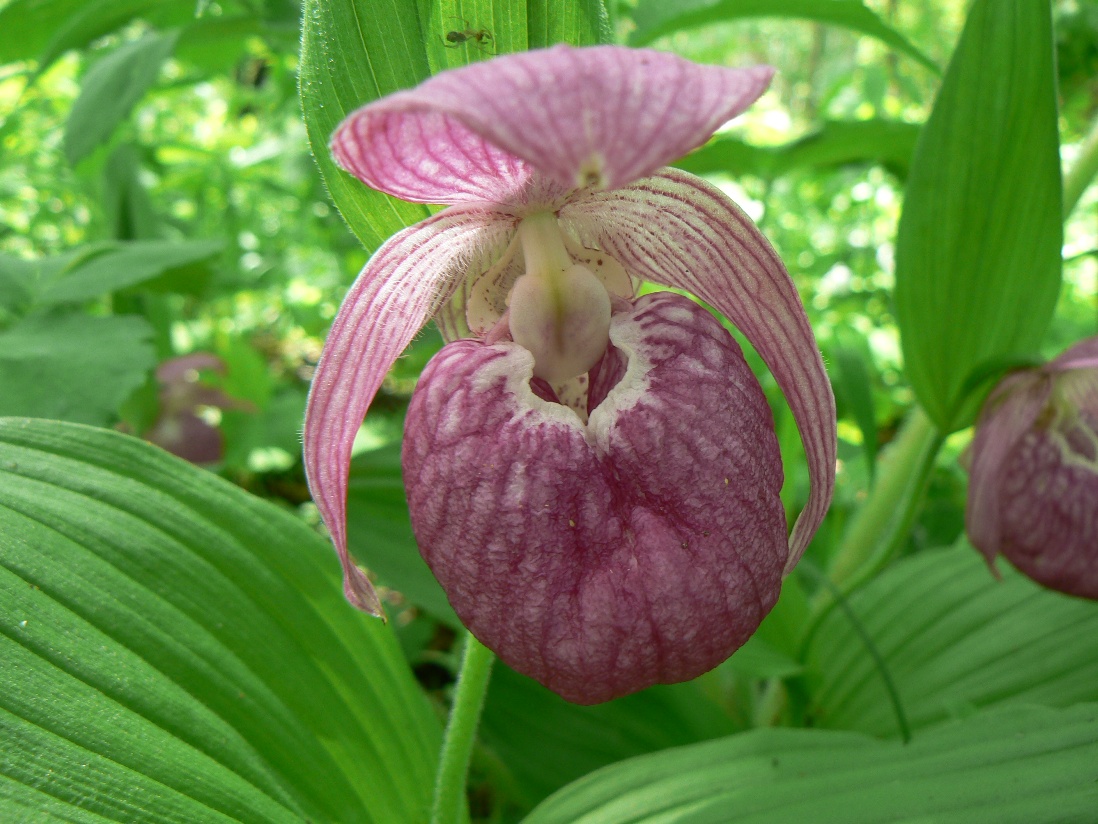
(73, 367)
(90, 21)
(1029, 765)
(178, 650)
(546, 742)
(954, 639)
(978, 247)
(111, 88)
(656, 18)
(380, 532)
(126, 265)
(853, 384)
(43, 25)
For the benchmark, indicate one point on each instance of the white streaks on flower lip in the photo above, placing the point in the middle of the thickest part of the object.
(600, 559)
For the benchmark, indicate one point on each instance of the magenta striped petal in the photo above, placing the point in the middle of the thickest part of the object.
(676, 229)
(1083, 355)
(1015, 406)
(409, 278)
(601, 116)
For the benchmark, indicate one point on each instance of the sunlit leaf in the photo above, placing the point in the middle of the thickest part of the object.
(978, 247)
(656, 18)
(351, 55)
(889, 143)
(1026, 765)
(177, 650)
(953, 639)
(73, 367)
(111, 88)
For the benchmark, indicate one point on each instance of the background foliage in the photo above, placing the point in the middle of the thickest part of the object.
(174, 648)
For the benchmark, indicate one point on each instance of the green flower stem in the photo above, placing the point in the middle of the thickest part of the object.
(461, 732)
(1082, 171)
(878, 531)
(881, 526)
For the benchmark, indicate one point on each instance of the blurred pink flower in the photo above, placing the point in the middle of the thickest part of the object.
(179, 428)
(1033, 490)
(593, 477)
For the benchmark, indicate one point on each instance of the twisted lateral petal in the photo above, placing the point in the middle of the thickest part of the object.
(398, 291)
(600, 116)
(676, 229)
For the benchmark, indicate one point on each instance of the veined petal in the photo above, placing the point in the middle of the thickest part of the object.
(677, 230)
(1083, 355)
(600, 116)
(406, 281)
(1013, 408)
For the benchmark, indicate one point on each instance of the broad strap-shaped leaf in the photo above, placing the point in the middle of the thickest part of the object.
(953, 638)
(978, 247)
(656, 18)
(351, 55)
(73, 367)
(1028, 765)
(176, 650)
(110, 90)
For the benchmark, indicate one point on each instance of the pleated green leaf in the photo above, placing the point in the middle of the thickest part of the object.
(545, 742)
(174, 649)
(978, 247)
(954, 638)
(355, 51)
(1030, 765)
(656, 18)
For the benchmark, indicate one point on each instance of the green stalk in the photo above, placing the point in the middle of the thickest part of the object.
(1082, 171)
(878, 530)
(461, 732)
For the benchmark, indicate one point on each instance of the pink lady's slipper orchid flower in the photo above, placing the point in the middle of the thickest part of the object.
(1033, 486)
(593, 477)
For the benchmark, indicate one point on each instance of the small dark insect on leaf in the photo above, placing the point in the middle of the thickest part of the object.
(460, 37)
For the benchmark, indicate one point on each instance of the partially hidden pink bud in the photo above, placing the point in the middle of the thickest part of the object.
(641, 547)
(1033, 491)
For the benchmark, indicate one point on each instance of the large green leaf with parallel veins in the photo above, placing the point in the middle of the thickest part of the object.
(354, 51)
(978, 247)
(953, 639)
(174, 649)
(1029, 765)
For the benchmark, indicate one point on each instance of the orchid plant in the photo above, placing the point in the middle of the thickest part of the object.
(1034, 472)
(592, 476)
